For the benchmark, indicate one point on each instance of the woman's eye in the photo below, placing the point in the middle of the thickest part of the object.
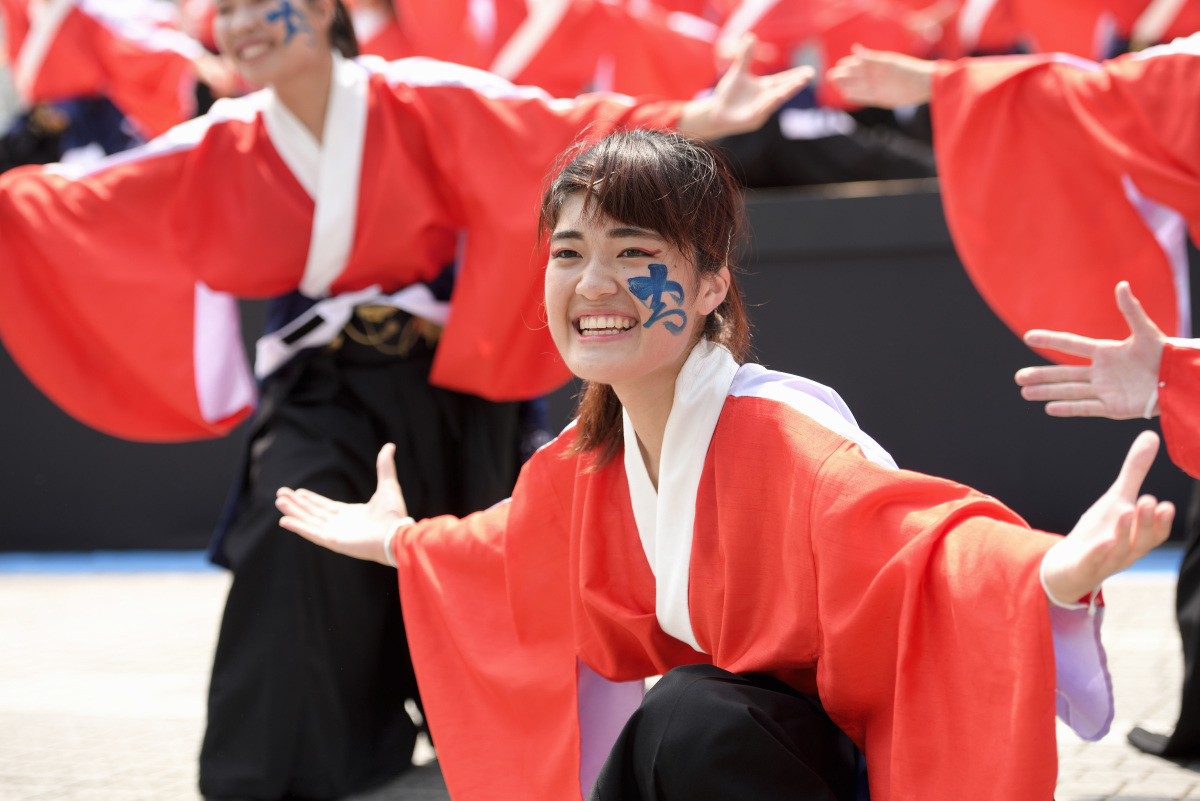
(637, 253)
(565, 253)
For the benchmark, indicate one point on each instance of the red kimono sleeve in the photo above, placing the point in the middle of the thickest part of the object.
(116, 282)
(498, 674)
(495, 147)
(1061, 177)
(145, 69)
(936, 648)
(1179, 400)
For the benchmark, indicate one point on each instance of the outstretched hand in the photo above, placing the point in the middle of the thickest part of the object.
(1115, 532)
(353, 529)
(741, 101)
(1121, 379)
(880, 79)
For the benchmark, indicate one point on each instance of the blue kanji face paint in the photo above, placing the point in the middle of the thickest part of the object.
(292, 18)
(650, 291)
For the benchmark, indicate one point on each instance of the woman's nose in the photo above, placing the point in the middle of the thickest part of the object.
(596, 280)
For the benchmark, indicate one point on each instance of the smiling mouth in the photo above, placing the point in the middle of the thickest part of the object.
(252, 51)
(603, 325)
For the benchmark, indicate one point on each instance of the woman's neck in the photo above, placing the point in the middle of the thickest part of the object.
(648, 401)
(306, 93)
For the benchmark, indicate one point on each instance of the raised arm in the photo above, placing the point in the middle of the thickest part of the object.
(1121, 380)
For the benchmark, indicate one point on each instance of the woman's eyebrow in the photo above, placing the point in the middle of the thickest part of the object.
(568, 234)
(630, 231)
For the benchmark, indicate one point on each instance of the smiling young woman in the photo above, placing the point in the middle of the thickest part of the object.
(734, 529)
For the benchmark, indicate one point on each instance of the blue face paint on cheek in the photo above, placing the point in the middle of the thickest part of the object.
(650, 290)
(293, 20)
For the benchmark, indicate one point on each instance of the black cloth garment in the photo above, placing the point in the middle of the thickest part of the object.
(705, 734)
(312, 668)
(1184, 742)
(835, 147)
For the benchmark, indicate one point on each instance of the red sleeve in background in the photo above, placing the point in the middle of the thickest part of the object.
(1179, 400)
(1060, 178)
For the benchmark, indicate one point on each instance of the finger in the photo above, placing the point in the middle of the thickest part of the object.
(1053, 374)
(1077, 408)
(312, 504)
(385, 466)
(1140, 324)
(1061, 341)
(1074, 390)
(744, 55)
(793, 80)
(1136, 466)
(290, 506)
(319, 501)
(1164, 517)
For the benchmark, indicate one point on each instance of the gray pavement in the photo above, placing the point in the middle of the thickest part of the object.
(103, 677)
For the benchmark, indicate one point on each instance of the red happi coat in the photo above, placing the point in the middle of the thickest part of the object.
(71, 48)
(1179, 400)
(911, 604)
(117, 283)
(1061, 177)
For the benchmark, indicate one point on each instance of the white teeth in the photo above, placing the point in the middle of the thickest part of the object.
(254, 50)
(607, 324)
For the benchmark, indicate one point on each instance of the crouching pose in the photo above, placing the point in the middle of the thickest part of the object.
(731, 528)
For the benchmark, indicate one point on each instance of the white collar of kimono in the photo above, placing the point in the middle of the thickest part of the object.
(329, 171)
(666, 518)
(44, 21)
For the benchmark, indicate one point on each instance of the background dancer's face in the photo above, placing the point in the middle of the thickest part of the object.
(624, 305)
(273, 40)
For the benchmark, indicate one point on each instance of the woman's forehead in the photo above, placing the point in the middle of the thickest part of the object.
(574, 218)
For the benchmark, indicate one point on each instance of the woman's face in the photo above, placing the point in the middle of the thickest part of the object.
(623, 305)
(272, 40)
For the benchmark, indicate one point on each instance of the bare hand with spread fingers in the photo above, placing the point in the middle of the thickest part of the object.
(354, 529)
(1115, 532)
(741, 101)
(1119, 383)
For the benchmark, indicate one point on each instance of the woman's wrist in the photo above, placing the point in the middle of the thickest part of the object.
(389, 542)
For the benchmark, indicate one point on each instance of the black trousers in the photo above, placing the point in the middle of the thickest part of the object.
(1184, 742)
(703, 733)
(312, 669)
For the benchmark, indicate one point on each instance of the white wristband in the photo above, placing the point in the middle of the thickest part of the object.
(1148, 412)
(388, 553)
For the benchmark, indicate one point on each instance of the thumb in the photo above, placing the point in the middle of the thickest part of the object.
(1137, 464)
(385, 466)
(1140, 324)
(744, 54)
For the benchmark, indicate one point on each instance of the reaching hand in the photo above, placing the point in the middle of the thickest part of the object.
(353, 529)
(1118, 383)
(1115, 532)
(883, 80)
(742, 101)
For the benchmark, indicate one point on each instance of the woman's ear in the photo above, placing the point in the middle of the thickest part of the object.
(713, 289)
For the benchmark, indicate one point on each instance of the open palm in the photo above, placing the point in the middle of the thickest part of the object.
(353, 529)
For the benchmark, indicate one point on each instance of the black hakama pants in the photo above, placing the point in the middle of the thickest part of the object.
(1184, 742)
(705, 734)
(312, 668)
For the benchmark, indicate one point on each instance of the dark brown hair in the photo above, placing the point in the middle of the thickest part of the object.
(682, 190)
(341, 31)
